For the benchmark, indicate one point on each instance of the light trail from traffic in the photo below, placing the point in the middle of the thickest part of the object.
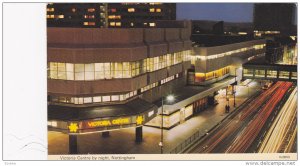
(237, 133)
(275, 138)
(246, 138)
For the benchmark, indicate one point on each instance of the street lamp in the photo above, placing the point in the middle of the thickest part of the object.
(234, 85)
(169, 98)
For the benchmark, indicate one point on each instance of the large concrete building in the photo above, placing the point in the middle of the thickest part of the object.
(213, 63)
(101, 79)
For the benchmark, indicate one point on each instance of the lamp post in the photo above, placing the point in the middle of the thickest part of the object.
(234, 86)
(169, 98)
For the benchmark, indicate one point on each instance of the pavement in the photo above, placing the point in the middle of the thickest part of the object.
(123, 141)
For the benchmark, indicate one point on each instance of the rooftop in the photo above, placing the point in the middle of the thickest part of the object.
(210, 40)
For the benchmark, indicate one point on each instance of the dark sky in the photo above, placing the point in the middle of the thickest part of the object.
(229, 12)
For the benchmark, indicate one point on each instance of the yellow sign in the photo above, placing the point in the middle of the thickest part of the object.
(102, 123)
(139, 120)
(73, 127)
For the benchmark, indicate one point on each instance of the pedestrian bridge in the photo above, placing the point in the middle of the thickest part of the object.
(274, 72)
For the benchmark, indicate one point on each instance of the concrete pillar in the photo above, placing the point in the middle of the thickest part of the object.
(139, 134)
(73, 144)
(105, 134)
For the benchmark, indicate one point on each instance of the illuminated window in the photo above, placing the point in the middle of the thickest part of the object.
(107, 71)
(122, 97)
(118, 24)
(89, 16)
(115, 98)
(113, 10)
(294, 75)
(259, 73)
(112, 24)
(132, 24)
(53, 70)
(97, 99)
(118, 67)
(92, 23)
(152, 10)
(73, 10)
(271, 74)
(70, 71)
(105, 98)
(145, 23)
(152, 24)
(99, 71)
(111, 17)
(130, 10)
(118, 17)
(79, 71)
(91, 10)
(284, 74)
(87, 100)
(248, 72)
(78, 100)
(61, 71)
(59, 16)
(89, 71)
(126, 70)
(50, 9)
(158, 10)
(89, 23)
(155, 3)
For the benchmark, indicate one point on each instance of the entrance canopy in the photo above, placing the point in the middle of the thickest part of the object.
(76, 120)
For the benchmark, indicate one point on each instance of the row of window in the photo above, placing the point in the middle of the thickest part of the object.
(169, 79)
(107, 98)
(93, 71)
(256, 47)
(89, 16)
(113, 24)
(158, 10)
(98, 71)
(148, 87)
(94, 99)
(55, 16)
(89, 23)
(201, 77)
(269, 73)
(50, 9)
(114, 17)
(62, 16)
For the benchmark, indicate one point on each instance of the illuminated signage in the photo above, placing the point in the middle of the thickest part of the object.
(139, 120)
(73, 127)
(108, 122)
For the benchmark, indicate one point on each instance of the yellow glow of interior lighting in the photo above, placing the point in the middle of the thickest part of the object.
(242, 33)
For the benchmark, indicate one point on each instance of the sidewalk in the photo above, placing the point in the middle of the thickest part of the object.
(123, 141)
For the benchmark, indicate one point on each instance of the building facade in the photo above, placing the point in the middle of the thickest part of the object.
(214, 63)
(139, 15)
(102, 79)
(77, 15)
(112, 15)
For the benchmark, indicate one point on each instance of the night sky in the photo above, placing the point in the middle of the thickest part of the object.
(229, 12)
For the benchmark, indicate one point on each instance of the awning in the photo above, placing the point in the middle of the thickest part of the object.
(100, 118)
(133, 107)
